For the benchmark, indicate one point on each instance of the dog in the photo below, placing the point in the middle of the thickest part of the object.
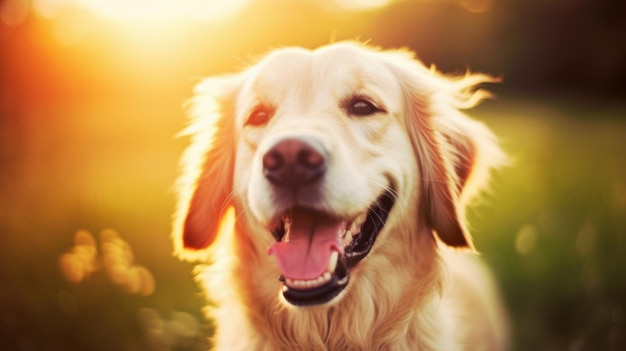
(324, 194)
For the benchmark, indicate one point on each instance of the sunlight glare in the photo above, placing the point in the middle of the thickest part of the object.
(162, 9)
(49, 8)
(358, 5)
(141, 10)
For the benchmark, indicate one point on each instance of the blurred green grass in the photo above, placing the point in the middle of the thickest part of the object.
(552, 227)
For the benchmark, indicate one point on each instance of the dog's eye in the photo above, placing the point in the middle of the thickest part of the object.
(258, 117)
(360, 107)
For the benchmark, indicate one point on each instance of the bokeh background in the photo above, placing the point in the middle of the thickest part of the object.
(91, 96)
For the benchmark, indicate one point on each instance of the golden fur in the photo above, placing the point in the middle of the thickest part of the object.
(411, 292)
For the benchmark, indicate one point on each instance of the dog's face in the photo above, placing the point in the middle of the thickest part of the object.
(327, 151)
(322, 154)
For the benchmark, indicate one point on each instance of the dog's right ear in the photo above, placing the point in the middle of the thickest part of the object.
(205, 185)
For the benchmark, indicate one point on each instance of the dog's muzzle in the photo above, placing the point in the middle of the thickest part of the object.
(315, 250)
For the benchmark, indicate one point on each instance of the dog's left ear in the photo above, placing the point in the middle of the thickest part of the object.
(205, 186)
(443, 171)
(454, 153)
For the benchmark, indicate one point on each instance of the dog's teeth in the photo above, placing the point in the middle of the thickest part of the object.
(355, 228)
(360, 220)
(307, 283)
(343, 280)
(326, 277)
(287, 222)
(332, 262)
(347, 238)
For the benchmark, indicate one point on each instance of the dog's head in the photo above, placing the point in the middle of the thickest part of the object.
(328, 150)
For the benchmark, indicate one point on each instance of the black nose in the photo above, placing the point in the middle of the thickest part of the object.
(295, 162)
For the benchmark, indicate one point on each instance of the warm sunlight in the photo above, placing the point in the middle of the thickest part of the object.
(362, 4)
(153, 9)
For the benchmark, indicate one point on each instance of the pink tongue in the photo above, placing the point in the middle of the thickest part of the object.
(305, 250)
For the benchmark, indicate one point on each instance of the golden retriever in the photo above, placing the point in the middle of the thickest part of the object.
(324, 189)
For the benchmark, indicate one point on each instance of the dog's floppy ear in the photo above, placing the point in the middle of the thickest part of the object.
(205, 186)
(454, 153)
(439, 184)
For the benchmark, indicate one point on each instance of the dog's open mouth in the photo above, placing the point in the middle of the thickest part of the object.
(315, 251)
